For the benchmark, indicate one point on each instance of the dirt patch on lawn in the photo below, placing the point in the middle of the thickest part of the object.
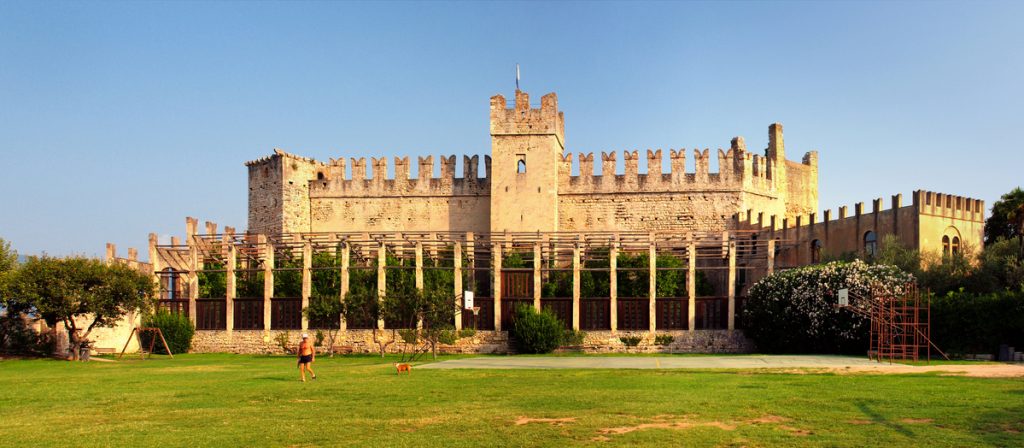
(971, 370)
(795, 431)
(916, 421)
(551, 421)
(768, 419)
(665, 425)
(688, 423)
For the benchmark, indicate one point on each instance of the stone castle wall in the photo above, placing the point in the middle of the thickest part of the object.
(920, 225)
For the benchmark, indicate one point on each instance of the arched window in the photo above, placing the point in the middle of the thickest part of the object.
(521, 167)
(951, 242)
(816, 251)
(870, 244)
(319, 176)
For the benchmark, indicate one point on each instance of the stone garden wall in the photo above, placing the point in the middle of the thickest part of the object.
(484, 342)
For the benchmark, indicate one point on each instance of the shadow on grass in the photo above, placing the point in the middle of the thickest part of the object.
(880, 419)
(1000, 427)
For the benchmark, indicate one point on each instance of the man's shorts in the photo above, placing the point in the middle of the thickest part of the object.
(305, 359)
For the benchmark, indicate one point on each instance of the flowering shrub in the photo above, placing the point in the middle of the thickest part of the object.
(795, 311)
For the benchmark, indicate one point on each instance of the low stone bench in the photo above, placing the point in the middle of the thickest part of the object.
(343, 349)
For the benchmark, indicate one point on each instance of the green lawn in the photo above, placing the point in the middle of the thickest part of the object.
(234, 400)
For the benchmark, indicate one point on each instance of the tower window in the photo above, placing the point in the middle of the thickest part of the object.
(521, 163)
(945, 245)
(956, 245)
(319, 176)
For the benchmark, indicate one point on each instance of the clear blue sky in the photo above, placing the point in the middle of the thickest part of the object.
(119, 119)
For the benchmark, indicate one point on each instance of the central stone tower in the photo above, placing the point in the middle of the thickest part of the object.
(526, 152)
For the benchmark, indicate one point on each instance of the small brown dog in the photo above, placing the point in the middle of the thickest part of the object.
(403, 367)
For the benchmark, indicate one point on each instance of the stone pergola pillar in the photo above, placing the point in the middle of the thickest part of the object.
(771, 256)
(457, 280)
(471, 265)
(537, 285)
(691, 284)
(731, 319)
(613, 285)
(154, 262)
(307, 279)
(346, 254)
(652, 263)
(268, 279)
(418, 251)
(496, 255)
(576, 285)
(193, 269)
(229, 284)
(382, 285)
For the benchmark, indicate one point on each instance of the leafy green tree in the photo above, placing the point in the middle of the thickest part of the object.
(1007, 217)
(427, 315)
(82, 293)
(8, 256)
(895, 253)
(1000, 267)
(212, 281)
(325, 310)
(288, 278)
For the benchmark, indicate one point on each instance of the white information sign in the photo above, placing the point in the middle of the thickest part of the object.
(844, 297)
(467, 299)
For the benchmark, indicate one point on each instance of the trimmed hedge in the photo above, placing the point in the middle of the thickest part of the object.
(535, 332)
(964, 323)
(177, 329)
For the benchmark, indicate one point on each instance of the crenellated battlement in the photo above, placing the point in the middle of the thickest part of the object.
(947, 205)
(373, 180)
(521, 119)
(924, 202)
(738, 170)
(531, 183)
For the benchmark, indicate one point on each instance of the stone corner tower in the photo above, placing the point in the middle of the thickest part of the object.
(526, 152)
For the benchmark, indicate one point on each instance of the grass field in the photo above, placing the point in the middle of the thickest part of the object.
(234, 400)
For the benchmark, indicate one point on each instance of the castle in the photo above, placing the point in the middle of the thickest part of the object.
(530, 231)
(529, 186)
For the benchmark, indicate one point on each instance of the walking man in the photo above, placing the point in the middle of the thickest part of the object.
(306, 357)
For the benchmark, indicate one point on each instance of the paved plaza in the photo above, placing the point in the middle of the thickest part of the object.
(838, 364)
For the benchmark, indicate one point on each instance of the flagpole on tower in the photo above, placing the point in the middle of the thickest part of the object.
(517, 77)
